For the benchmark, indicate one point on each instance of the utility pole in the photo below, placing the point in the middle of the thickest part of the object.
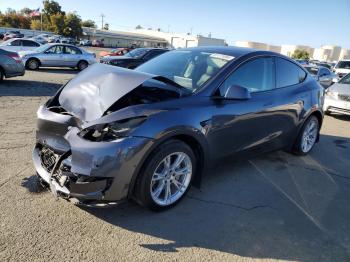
(102, 16)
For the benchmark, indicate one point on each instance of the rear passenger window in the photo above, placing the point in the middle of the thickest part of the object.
(288, 73)
(29, 43)
(16, 43)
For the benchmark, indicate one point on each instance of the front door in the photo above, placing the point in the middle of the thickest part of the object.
(239, 125)
(54, 56)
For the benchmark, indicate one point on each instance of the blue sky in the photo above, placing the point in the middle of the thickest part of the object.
(308, 22)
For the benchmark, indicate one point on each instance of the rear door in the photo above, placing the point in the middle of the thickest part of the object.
(291, 97)
(72, 56)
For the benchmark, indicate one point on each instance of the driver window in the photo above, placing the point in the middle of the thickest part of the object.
(256, 75)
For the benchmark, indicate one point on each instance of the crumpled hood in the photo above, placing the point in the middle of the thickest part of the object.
(94, 90)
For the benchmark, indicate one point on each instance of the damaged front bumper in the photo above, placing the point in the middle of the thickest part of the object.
(83, 170)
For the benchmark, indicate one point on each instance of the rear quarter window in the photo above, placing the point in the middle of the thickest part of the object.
(288, 73)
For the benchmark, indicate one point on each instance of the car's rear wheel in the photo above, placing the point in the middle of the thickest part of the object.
(307, 136)
(82, 65)
(167, 176)
(32, 64)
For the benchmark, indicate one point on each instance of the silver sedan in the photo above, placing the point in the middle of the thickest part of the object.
(57, 55)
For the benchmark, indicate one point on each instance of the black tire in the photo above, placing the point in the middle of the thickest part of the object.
(298, 146)
(82, 65)
(143, 183)
(32, 64)
(1, 75)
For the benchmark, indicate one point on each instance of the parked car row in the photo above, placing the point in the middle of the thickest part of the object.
(134, 58)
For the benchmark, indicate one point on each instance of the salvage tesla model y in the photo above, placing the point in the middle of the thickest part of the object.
(111, 133)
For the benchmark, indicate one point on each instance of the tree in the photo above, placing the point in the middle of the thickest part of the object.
(57, 23)
(52, 8)
(72, 25)
(138, 27)
(26, 11)
(106, 26)
(35, 25)
(89, 23)
(301, 54)
(11, 18)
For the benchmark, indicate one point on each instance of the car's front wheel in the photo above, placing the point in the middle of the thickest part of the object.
(307, 136)
(167, 176)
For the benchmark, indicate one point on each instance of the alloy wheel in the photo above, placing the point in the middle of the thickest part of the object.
(309, 136)
(171, 178)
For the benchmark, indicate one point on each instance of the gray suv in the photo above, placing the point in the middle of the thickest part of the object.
(10, 64)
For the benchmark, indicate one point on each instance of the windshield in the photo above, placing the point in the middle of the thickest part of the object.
(312, 70)
(42, 48)
(189, 69)
(345, 79)
(136, 53)
(343, 64)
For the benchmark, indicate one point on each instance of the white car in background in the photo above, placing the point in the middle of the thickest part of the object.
(337, 98)
(19, 44)
(342, 68)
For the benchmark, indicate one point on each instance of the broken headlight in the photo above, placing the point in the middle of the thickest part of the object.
(111, 131)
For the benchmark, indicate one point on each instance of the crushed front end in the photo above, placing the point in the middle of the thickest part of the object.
(81, 169)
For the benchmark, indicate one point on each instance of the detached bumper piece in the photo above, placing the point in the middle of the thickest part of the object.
(55, 169)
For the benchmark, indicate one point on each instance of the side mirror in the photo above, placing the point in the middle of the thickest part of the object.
(335, 80)
(237, 92)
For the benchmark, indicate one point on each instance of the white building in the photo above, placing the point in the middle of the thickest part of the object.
(123, 39)
(254, 45)
(344, 54)
(259, 46)
(177, 40)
